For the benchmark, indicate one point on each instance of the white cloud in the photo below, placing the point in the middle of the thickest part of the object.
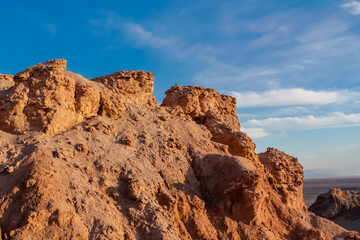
(246, 115)
(144, 37)
(305, 49)
(336, 119)
(114, 24)
(353, 7)
(320, 41)
(138, 35)
(294, 110)
(292, 96)
(255, 132)
(220, 72)
(324, 30)
(301, 45)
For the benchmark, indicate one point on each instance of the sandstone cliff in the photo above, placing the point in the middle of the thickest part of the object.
(100, 159)
(342, 207)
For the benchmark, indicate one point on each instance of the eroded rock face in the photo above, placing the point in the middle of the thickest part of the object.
(238, 192)
(122, 167)
(47, 98)
(216, 111)
(342, 207)
(285, 175)
(123, 87)
(6, 81)
(41, 99)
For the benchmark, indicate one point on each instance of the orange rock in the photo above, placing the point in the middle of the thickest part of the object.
(6, 81)
(115, 165)
(47, 98)
(216, 111)
(285, 175)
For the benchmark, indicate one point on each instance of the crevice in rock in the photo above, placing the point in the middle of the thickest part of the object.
(203, 191)
(200, 120)
(75, 96)
(2, 235)
(100, 110)
(95, 224)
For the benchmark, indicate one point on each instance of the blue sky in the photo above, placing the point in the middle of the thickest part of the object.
(294, 66)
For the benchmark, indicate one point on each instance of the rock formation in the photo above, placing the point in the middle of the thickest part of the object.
(342, 207)
(6, 81)
(47, 98)
(100, 159)
(285, 175)
(215, 111)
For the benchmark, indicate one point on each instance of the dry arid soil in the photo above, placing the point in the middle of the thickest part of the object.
(100, 159)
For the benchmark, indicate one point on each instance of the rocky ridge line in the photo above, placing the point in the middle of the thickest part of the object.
(99, 159)
(47, 98)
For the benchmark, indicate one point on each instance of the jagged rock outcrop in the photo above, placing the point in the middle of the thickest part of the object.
(47, 98)
(215, 111)
(6, 81)
(285, 175)
(122, 167)
(342, 207)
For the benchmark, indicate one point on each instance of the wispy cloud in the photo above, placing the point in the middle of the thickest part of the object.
(273, 30)
(138, 35)
(255, 132)
(113, 25)
(290, 63)
(294, 110)
(301, 44)
(145, 37)
(336, 119)
(292, 96)
(256, 76)
(353, 7)
(323, 30)
(300, 48)
(326, 39)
